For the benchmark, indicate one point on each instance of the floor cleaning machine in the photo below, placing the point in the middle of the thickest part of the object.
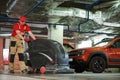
(49, 54)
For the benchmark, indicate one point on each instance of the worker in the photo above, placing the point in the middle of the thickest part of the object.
(16, 43)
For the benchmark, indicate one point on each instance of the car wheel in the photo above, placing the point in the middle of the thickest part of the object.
(80, 67)
(97, 64)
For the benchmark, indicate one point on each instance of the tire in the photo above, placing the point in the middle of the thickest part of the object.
(97, 64)
(78, 67)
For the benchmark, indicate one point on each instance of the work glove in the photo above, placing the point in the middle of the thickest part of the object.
(26, 39)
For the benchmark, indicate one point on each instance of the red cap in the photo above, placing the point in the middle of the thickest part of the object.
(22, 18)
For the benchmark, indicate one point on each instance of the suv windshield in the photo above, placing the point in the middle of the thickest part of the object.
(103, 42)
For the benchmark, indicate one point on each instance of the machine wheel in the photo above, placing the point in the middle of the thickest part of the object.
(97, 64)
(42, 69)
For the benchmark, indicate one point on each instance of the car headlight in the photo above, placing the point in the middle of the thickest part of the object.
(76, 52)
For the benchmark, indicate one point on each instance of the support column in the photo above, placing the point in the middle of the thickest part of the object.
(55, 32)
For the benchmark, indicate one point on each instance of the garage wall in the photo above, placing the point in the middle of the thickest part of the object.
(7, 43)
(1, 58)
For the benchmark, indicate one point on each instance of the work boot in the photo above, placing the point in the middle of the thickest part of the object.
(37, 71)
(11, 71)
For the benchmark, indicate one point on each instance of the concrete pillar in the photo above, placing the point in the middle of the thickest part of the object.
(56, 33)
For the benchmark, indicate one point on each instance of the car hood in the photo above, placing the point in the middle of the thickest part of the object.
(91, 48)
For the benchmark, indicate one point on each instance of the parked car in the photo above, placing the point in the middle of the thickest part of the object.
(105, 54)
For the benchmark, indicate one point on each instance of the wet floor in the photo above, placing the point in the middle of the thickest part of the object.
(5, 75)
(72, 76)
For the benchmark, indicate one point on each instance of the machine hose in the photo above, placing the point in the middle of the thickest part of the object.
(48, 57)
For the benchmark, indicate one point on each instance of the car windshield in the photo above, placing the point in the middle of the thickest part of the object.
(102, 42)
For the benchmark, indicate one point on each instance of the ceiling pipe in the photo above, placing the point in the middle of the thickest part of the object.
(35, 6)
(92, 32)
(8, 19)
(11, 4)
(12, 20)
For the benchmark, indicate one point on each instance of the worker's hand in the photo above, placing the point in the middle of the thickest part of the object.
(26, 39)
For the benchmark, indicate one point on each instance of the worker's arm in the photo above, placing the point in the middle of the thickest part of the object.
(19, 34)
(31, 35)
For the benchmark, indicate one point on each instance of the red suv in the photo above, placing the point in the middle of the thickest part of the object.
(105, 54)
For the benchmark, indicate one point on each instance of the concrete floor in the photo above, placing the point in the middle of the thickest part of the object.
(4, 75)
(82, 76)
(74, 76)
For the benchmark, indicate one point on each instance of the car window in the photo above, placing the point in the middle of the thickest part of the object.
(101, 43)
(116, 44)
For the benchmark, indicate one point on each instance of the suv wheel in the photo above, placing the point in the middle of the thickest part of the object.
(97, 64)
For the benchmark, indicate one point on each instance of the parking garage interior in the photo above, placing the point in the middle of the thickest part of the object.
(76, 22)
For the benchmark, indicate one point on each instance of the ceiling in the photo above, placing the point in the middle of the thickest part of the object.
(37, 13)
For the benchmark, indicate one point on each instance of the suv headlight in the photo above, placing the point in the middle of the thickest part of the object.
(76, 53)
